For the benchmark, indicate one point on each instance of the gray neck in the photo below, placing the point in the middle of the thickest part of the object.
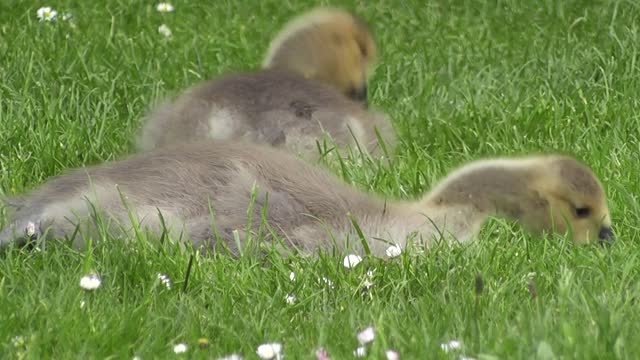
(492, 189)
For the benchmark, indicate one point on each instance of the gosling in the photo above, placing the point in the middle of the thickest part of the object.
(312, 90)
(306, 208)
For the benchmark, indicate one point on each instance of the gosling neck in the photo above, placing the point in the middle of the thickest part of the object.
(490, 187)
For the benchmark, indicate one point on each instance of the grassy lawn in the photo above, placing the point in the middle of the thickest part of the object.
(461, 79)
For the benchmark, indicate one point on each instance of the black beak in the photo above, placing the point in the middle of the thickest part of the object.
(606, 236)
(360, 94)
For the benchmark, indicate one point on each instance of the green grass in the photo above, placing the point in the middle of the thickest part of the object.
(461, 79)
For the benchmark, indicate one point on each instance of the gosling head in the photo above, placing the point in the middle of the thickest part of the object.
(326, 44)
(574, 197)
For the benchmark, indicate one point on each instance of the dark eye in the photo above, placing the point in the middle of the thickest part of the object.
(583, 212)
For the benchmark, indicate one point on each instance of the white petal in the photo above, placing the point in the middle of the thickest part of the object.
(164, 7)
(361, 351)
(392, 355)
(90, 282)
(351, 261)
(292, 276)
(393, 251)
(266, 351)
(366, 336)
(290, 299)
(43, 12)
(164, 30)
(277, 348)
(180, 348)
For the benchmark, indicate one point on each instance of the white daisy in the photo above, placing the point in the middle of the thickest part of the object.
(392, 355)
(393, 251)
(46, 14)
(366, 336)
(351, 261)
(164, 7)
(451, 345)
(269, 351)
(90, 282)
(164, 30)
(180, 348)
(290, 299)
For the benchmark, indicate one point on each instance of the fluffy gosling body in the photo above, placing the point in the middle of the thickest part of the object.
(307, 207)
(297, 99)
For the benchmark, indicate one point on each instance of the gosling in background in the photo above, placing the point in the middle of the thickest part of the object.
(314, 83)
(331, 45)
(307, 207)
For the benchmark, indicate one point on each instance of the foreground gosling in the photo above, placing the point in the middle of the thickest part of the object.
(297, 99)
(306, 207)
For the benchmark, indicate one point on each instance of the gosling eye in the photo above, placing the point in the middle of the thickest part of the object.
(583, 212)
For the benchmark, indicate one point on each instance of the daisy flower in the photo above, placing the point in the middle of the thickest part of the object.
(164, 7)
(90, 282)
(269, 351)
(164, 30)
(366, 336)
(392, 355)
(46, 14)
(180, 348)
(290, 299)
(393, 251)
(351, 261)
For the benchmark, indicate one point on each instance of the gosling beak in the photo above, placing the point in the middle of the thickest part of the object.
(606, 236)
(360, 94)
